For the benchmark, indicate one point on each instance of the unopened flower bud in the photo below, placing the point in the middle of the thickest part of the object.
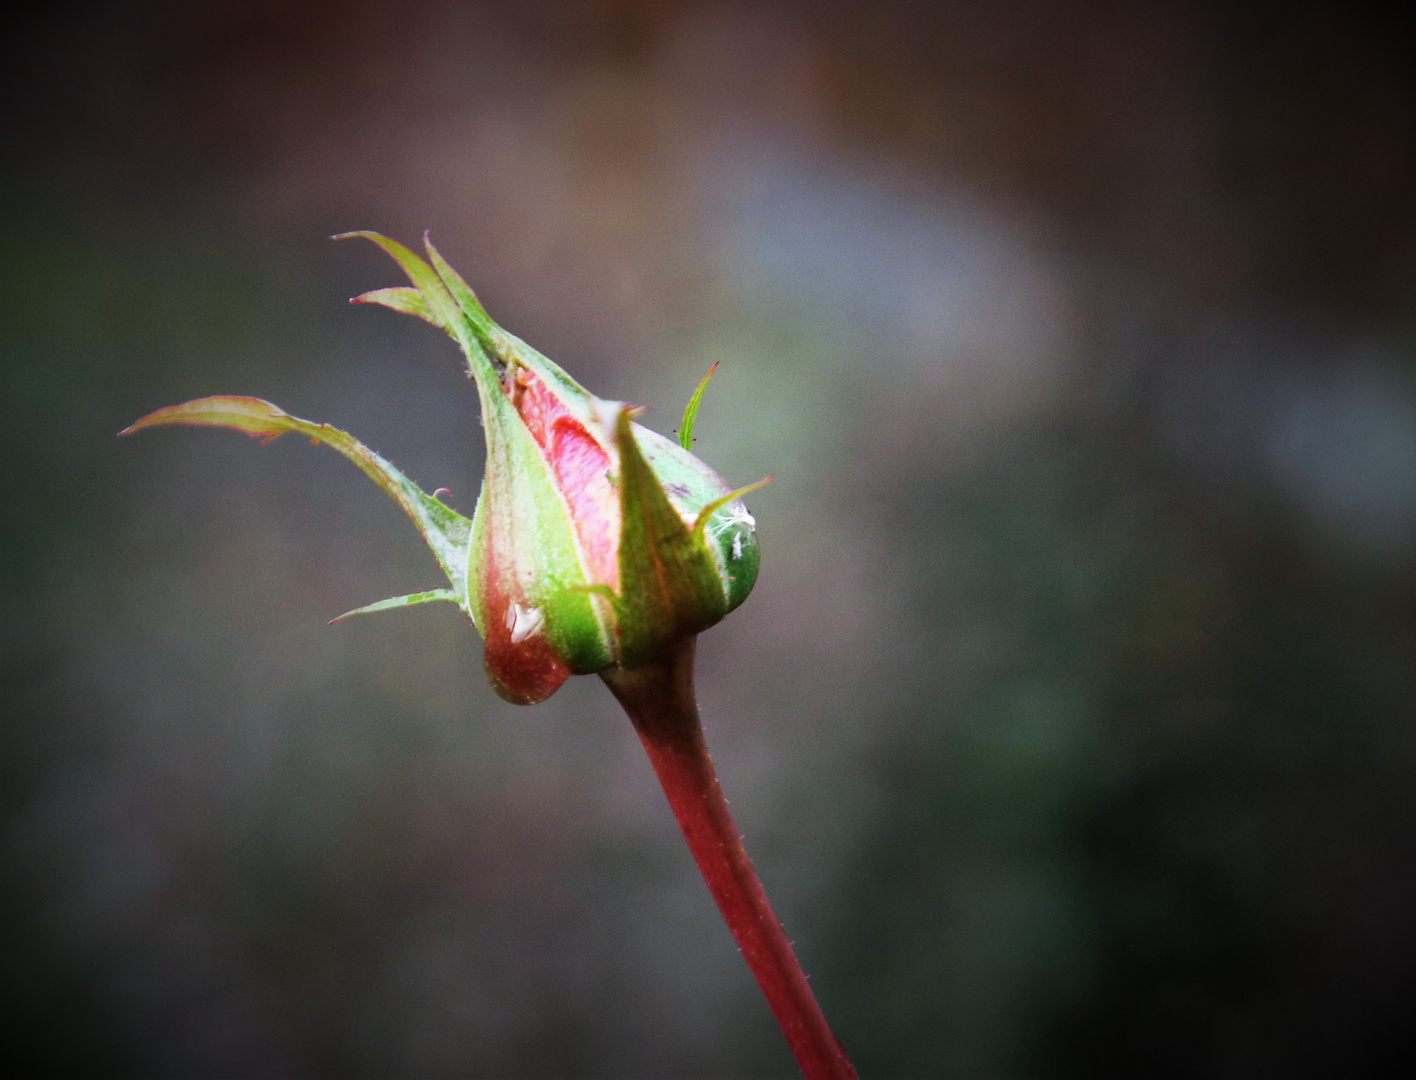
(595, 542)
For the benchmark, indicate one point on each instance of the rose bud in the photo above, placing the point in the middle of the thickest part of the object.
(595, 542)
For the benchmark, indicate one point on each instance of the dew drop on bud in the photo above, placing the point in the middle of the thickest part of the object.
(521, 663)
(523, 622)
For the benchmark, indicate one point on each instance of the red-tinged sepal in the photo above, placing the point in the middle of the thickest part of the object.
(447, 532)
(400, 298)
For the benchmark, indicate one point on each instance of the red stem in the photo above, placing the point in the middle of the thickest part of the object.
(659, 699)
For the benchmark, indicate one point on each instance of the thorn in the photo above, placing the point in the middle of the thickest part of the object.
(440, 491)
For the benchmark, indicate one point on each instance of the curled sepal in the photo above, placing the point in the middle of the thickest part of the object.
(447, 532)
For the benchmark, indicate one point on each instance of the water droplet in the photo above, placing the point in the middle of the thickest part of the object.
(522, 664)
(523, 622)
(527, 669)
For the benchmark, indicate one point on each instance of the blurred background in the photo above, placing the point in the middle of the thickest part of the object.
(1072, 724)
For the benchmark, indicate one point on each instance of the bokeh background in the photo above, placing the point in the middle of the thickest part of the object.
(1072, 724)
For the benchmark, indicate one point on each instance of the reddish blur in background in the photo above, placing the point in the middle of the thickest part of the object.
(1072, 724)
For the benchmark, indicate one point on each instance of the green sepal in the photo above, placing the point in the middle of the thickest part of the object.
(446, 531)
(521, 517)
(437, 305)
(717, 504)
(430, 597)
(440, 309)
(464, 297)
(669, 583)
(690, 411)
(509, 351)
(729, 532)
(400, 298)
